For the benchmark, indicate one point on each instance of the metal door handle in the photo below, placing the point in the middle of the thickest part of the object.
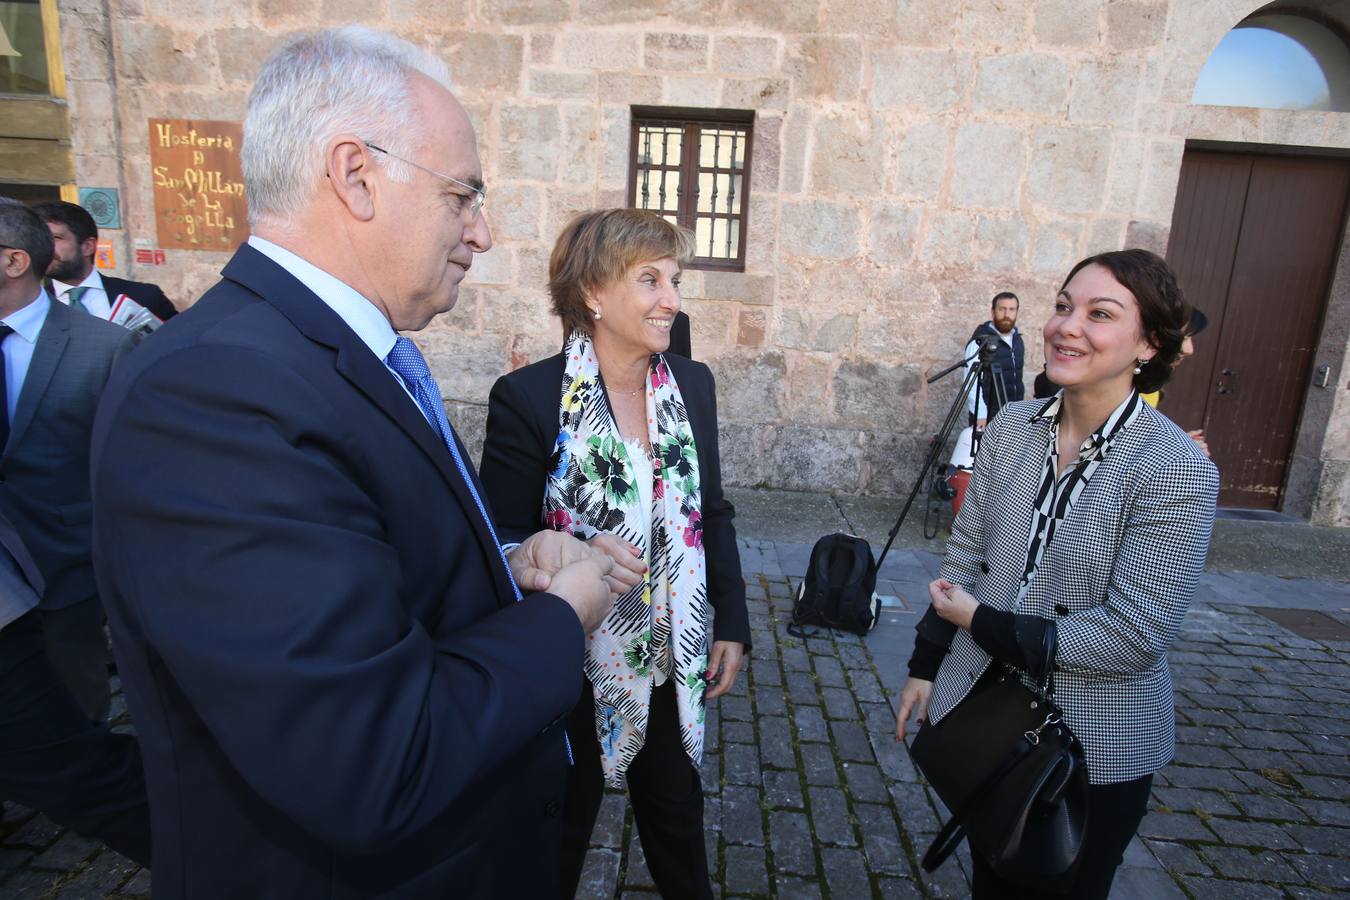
(1229, 386)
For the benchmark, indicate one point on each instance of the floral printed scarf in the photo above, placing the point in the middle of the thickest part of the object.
(592, 489)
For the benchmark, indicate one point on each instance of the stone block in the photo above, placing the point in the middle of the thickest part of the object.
(1068, 23)
(542, 47)
(523, 12)
(924, 80)
(761, 235)
(750, 387)
(689, 90)
(847, 156)
(530, 142)
(1035, 83)
(1104, 235)
(819, 229)
(342, 10)
(240, 52)
(492, 268)
(581, 145)
(430, 11)
(155, 53)
(745, 54)
(949, 239)
(675, 50)
(596, 50)
(739, 286)
(750, 328)
(754, 93)
(1056, 247)
(993, 22)
(830, 818)
(774, 15)
(560, 84)
(1105, 93)
(615, 11)
(766, 154)
(1135, 25)
(829, 68)
(1068, 168)
(916, 23)
(796, 132)
(790, 838)
(623, 87)
(987, 166)
(485, 64)
(746, 870)
(1159, 191)
(866, 394)
(814, 459)
(892, 232)
(742, 461)
(466, 365)
(921, 163)
(1001, 243)
(515, 212)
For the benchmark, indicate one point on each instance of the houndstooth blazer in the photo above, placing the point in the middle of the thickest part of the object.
(1117, 579)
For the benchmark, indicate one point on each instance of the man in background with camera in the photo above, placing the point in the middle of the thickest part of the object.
(1006, 366)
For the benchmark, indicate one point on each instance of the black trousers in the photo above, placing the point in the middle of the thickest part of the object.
(1115, 811)
(664, 788)
(77, 649)
(54, 759)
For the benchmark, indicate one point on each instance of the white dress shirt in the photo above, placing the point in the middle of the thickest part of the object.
(95, 299)
(18, 347)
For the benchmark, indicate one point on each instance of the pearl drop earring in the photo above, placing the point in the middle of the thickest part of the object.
(597, 314)
(1139, 365)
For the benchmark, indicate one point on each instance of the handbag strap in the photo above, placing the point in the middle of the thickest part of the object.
(951, 834)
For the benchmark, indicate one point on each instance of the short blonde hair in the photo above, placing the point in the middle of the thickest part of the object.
(598, 247)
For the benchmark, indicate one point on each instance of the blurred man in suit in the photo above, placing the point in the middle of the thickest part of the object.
(74, 279)
(52, 758)
(339, 688)
(56, 363)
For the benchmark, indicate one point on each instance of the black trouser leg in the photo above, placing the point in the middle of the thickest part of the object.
(667, 797)
(664, 789)
(1115, 811)
(54, 759)
(77, 648)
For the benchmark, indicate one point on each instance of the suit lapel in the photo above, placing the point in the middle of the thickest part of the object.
(368, 374)
(50, 347)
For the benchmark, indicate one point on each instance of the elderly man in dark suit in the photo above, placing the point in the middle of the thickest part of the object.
(56, 364)
(74, 280)
(339, 687)
(52, 758)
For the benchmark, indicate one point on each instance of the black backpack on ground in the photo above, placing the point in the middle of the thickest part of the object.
(839, 590)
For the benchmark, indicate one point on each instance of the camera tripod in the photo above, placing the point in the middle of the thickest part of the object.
(986, 379)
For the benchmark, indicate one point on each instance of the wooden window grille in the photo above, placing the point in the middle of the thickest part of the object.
(693, 167)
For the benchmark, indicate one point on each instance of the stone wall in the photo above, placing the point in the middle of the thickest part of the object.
(911, 158)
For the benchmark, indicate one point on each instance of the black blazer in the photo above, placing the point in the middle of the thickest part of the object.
(522, 425)
(335, 692)
(143, 292)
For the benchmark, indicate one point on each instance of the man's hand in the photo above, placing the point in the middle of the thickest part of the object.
(582, 584)
(914, 698)
(723, 664)
(980, 423)
(628, 565)
(953, 603)
(542, 555)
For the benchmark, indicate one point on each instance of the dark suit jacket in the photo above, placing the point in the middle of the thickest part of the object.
(335, 693)
(143, 292)
(44, 470)
(20, 580)
(522, 426)
(679, 336)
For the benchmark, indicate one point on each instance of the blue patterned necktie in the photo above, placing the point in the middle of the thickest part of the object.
(407, 361)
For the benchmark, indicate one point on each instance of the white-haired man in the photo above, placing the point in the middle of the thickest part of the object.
(338, 689)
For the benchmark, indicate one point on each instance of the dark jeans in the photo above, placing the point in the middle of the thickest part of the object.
(664, 788)
(77, 648)
(55, 760)
(1115, 811)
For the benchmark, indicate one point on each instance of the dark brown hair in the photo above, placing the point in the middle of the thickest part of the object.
(598, 247)
(1163, 312)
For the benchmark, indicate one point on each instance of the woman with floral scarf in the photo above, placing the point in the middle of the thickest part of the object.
(614, 440)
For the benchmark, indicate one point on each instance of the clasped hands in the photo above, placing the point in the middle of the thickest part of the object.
(577, 571)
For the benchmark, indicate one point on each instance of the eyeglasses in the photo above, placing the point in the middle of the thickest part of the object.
(479, 194)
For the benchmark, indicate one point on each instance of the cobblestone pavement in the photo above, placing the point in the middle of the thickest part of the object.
(809, 795)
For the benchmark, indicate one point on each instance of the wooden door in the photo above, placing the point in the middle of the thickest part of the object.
(1254, 243)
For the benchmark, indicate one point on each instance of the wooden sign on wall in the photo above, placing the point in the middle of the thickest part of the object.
(198, 184)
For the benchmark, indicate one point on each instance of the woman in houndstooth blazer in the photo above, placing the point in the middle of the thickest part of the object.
(1089, 517)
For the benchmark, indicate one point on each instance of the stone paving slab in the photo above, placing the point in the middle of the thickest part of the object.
(809, 795)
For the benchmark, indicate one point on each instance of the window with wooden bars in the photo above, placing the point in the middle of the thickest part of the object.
(693, 167)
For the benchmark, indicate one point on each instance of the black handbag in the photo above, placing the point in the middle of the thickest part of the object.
(1015, 778)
